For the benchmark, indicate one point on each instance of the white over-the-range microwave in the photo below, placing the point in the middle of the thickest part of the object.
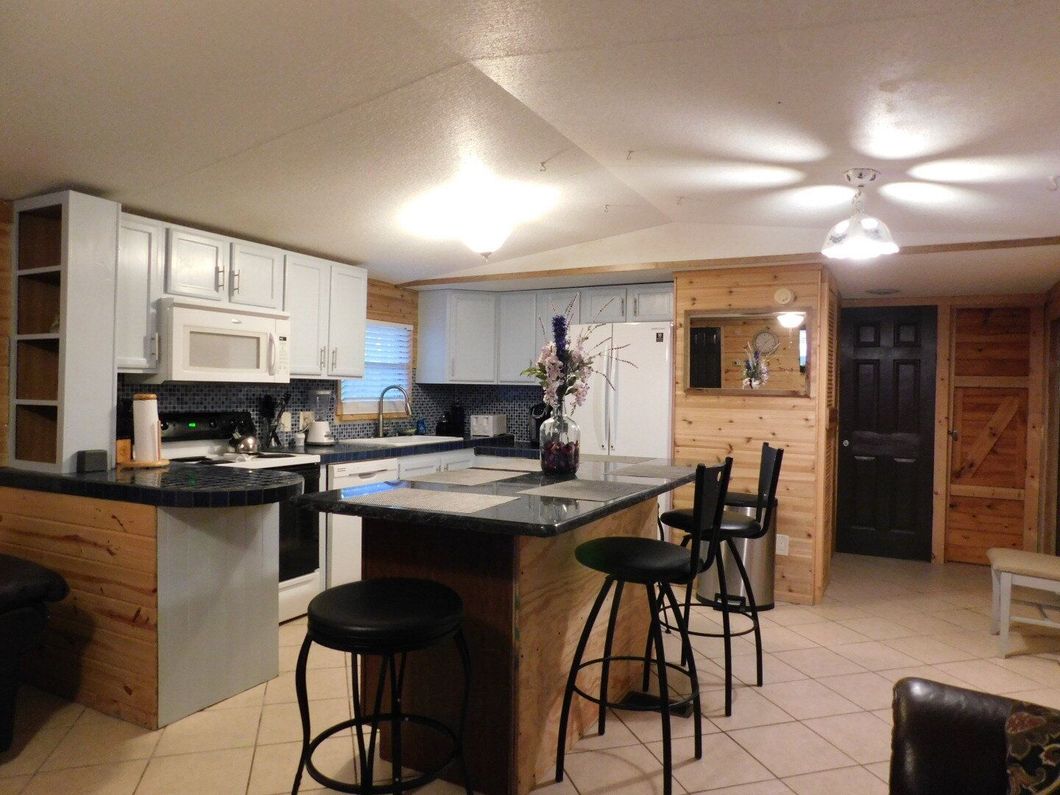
(213, 343)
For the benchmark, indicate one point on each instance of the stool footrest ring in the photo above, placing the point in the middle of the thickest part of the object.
(623, 705)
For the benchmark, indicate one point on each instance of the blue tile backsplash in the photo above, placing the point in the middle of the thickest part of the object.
(429, 401)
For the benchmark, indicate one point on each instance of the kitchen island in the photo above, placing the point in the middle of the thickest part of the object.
(172, 576)
(510, 555)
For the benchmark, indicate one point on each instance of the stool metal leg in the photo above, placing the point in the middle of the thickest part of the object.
(568, 693)
(369, 773)
(303, 709)
(396, 677)
(465, 659)
(664, 689)
(726, 630)
(693, 674)
(751, 605)
(606, 665)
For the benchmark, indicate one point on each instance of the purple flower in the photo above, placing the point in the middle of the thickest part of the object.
(559, 333)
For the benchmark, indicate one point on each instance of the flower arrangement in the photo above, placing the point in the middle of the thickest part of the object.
(755, 368)
(563, 367)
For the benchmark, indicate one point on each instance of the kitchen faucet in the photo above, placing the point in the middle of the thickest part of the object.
(408, 408)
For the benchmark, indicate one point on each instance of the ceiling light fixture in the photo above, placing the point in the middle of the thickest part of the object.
(860, 236)
(791, 319)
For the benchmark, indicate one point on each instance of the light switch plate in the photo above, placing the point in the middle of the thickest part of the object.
(782, 544)
(285, 421)
(304, 418)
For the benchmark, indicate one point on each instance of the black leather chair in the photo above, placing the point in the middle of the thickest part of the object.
(25, 588)
(735, 525)
(658, 566)
(947, 740)
(388, 618)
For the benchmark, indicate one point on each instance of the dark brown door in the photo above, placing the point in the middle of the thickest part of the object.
(886, 431)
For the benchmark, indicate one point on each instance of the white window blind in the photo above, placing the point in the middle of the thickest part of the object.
(387, 360)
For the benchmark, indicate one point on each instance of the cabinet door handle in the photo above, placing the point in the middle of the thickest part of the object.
(636, 305)
(622, 306)
(220, 277)
(323, 357)
(156, 346)
(334, 358)
(235, 281)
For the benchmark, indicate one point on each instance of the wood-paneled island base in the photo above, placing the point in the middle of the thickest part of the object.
(526, 599)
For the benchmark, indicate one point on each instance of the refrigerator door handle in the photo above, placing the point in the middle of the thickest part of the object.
(612, 412)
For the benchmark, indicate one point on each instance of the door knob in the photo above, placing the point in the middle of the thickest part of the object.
(846, 443)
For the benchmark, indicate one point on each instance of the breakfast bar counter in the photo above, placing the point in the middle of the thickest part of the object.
(510, 555)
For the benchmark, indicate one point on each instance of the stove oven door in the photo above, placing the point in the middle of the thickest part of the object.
(301, 573)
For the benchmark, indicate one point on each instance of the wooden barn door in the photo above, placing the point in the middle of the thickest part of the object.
(988, 457)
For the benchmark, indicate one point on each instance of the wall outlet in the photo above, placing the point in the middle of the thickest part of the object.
(304, 418)
(285, 421)
(782, 544)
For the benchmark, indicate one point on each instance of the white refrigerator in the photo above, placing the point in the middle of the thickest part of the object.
(632, 416)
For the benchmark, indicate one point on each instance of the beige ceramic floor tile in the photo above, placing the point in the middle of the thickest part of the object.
(868, 690)
(211, 730)
(14, 785)
(749, 708)
(807, 699)
(928, 650)
(96, 739)
(621, 771)
(281, 723)
(248, 698)
(875, 628)
(275, 765)
(932, 672)
(832, 782)
(988, 677)
(120, 778)
(965, 619)
(790, 615)
(978, 644)
(616, 733)
(647, 726)
(28, 751)
(1047, 697)
(875, 656)
(211, 773)
(818, 662)
(39, 711)
(776, 639)
(771, 786)
(774, 670)
(789, 749)
(837, 611)
(724, 763)
(292, 634)
(861, 736)
(829, 633)
(319, 657)
(1043, 670)
(882, 771)
(320, 683)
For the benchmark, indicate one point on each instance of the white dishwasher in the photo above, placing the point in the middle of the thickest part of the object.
(344, 532)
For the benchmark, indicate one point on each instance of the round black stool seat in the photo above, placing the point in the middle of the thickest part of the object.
(733, 523)
(639, 560)
(385, 615)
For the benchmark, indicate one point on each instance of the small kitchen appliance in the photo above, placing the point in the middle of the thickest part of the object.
(539, 412)
(489, 424)
(319, 431)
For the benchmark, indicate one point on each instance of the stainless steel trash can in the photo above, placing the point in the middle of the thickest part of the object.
(758, 555)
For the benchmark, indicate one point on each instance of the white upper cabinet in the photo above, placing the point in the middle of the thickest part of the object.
(650, 302)
(603, 305)
(348, 308)
(328, 303)
(516, 324)
(256, 275)
(307, 287)
(549, 304)
(141, 243)
(457, 337)
(196, 264)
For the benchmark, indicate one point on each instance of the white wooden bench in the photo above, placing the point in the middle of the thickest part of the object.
(1011, 567)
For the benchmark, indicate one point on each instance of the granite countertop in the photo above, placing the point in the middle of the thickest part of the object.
(177, 486)
(340, 453)
(526, 514)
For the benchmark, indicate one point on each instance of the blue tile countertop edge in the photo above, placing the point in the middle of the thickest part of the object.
(176, 486)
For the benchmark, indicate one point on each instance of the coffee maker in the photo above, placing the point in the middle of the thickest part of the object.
(539, 412)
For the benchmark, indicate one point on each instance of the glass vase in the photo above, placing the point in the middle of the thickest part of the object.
(560, 442)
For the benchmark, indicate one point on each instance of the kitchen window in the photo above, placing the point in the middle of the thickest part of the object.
(387, 360)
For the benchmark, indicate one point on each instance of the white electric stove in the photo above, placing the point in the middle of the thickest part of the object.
(202, 439)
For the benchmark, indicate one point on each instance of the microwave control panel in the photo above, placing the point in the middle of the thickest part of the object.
(283, 363)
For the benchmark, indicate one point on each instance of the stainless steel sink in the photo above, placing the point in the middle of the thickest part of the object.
(399, 441)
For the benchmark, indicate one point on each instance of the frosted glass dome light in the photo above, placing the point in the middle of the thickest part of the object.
(860, 236)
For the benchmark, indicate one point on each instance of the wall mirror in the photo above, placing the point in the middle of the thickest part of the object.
(721, 352)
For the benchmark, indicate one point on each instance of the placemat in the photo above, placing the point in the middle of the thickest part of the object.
(436, 501)
(509, 464)
(592, 490)
(654, 471)
(466, 477)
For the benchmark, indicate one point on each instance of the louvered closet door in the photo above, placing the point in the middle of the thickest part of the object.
(886, 431)
(988, 457)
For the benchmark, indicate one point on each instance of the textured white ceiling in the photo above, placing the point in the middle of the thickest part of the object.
(312, 124)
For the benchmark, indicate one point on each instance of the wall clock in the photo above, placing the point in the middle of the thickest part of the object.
(766, 342)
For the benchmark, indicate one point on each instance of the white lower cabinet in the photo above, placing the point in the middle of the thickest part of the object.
(456, 459)
(413, 465)
(343, 533)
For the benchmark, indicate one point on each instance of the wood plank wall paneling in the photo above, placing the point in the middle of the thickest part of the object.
(1050, 496)
(828, 433)
(709, 427)
(101, 645)
(6, 216)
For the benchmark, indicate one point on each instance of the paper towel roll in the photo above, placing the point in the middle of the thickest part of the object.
(147, 439)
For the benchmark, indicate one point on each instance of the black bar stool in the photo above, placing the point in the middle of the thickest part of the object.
(387, 618)
(733, 526)
(657, 565)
